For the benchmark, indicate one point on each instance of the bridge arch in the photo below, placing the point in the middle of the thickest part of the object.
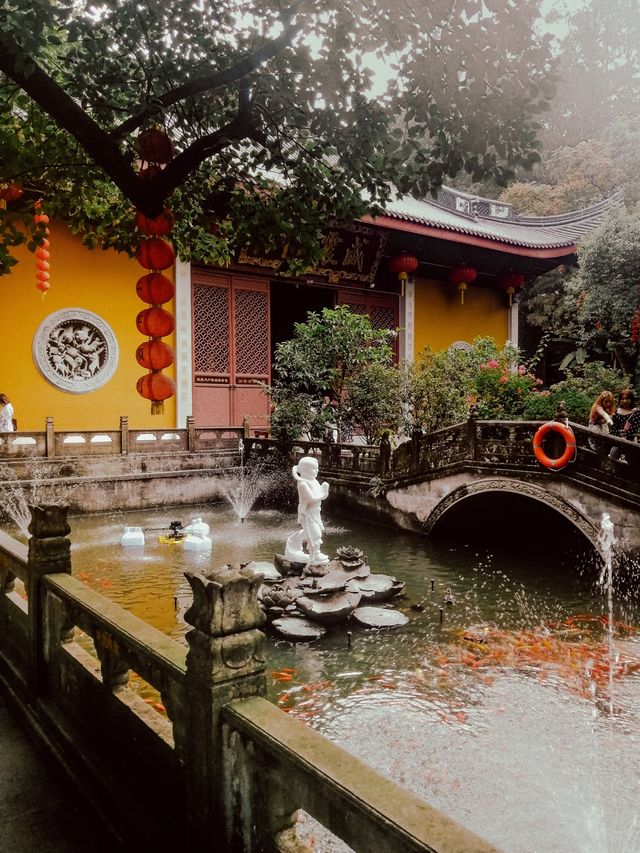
(523, 489)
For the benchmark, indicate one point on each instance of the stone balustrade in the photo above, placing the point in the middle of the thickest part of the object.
(207, 761)
(52, 444)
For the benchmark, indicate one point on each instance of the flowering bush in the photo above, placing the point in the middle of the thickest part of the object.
(442, 385)
(501, 393)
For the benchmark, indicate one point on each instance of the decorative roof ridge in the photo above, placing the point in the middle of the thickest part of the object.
(474, 207)
(613, 200)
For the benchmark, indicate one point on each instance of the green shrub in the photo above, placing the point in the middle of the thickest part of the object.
(578, 391)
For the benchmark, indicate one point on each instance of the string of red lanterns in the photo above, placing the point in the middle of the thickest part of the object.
(155, 289)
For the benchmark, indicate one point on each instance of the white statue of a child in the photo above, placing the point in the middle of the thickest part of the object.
(310, 496)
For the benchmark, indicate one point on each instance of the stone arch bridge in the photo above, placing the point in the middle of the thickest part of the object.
(420, 483)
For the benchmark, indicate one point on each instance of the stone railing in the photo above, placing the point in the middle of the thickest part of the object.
(210, 762)
(52, 444)
(483, 445)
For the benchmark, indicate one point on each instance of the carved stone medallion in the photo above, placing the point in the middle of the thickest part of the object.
(75, 350)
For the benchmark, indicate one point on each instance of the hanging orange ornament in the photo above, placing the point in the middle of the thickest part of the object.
(42, 252)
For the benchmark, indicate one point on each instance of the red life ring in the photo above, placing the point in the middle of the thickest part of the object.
(570, 445)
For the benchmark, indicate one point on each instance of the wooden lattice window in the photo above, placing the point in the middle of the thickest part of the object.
(251, 307)
(211, 329)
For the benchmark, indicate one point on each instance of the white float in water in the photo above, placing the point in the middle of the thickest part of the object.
(195, 536)
(197, 526)
(132, 536)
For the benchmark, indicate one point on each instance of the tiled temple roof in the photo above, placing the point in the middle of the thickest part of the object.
(456, 211)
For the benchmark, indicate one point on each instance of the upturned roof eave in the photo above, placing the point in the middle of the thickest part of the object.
(467, 237)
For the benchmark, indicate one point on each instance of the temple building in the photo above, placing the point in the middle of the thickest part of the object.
(442, 271)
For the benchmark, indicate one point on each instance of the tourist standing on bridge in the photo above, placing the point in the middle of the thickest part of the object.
(621, 426)
(6, 414)
(601, 416)
(602, 411)
(631, 427)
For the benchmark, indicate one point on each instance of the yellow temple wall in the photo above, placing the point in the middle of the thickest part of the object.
(440, 319)
(102, 282)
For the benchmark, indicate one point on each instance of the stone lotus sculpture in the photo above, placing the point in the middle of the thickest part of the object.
(300, 605)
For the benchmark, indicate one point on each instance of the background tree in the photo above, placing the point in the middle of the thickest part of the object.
(595, 307)
(599, 71)
(270, 107)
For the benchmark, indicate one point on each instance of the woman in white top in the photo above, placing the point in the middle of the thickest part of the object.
(6, 414)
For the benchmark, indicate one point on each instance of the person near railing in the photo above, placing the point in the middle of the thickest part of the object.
(601, 416)
(626, 421)
(6, 415)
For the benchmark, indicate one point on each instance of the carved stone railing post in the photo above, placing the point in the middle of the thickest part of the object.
(472, 438)
(49, 438)
(191, 434)
(384, 458)
(225, 661)
(124, 434)
(113, 667)
(561, 413)
(325, 452)
(355, 453)
(414, 450)
(49, 553)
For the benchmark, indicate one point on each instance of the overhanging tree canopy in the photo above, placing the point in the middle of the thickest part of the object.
(270, 106)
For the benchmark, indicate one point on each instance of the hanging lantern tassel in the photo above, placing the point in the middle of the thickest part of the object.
(512, 282)
(42, 254)
(462, 275)
(403, 264)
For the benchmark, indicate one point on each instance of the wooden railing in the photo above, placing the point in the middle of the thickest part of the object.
(217, 765)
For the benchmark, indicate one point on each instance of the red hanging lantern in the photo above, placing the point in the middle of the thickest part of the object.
(155, 146)
(155, 322)
(10, 191)
(462, 275)
(403, 264)
(156, 387)
(155, 254)
(158, 226)
(155, 288)
(154, 355)
(512, 282)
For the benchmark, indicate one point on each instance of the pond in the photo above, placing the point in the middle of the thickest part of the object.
(509, 731)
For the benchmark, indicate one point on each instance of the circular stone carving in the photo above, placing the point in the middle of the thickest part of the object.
(75, 350)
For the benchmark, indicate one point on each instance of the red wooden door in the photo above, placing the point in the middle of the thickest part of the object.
(230, 348)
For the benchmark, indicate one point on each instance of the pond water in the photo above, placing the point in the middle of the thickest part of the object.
(512, 737)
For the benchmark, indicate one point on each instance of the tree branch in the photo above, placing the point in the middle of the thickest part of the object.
(212, 81)
(241, 127)
(53, 100)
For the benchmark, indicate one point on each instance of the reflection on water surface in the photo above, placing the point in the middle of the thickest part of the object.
(511, 736)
